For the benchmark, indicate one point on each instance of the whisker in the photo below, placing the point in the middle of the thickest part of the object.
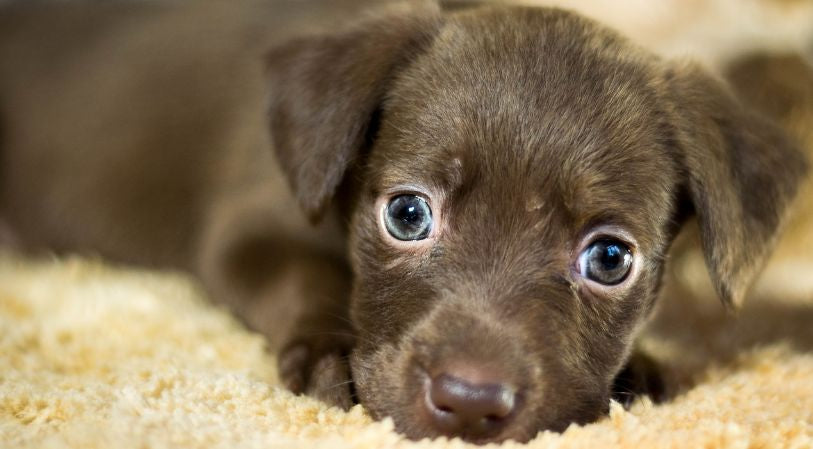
(337, 334)
(331, 387)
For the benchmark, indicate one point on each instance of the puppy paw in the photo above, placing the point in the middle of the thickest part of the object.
(318, 368)
(640, 377)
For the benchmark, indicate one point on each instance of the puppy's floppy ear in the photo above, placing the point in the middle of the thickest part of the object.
(741, 173)
(325, 91)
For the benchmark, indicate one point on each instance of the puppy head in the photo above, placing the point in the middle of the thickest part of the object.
(519, 175)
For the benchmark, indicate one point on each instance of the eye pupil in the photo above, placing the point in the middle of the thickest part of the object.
(611, 257)
(408, 217)
(606, 261)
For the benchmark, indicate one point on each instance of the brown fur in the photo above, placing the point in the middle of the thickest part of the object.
(528, 130)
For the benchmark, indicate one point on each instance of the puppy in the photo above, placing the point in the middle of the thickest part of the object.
(467, 213)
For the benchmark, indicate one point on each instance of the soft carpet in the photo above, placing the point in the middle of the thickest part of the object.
(94, 356)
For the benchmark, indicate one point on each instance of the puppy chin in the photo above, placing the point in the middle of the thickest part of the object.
(395, 381)
(390, 386)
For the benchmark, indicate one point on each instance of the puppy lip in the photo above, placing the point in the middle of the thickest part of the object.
(429, 411)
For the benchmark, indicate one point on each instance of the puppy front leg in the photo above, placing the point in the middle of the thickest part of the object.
(641, 376)
(314, 356)
(292, 291)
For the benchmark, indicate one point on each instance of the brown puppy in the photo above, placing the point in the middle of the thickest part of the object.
(496, 190)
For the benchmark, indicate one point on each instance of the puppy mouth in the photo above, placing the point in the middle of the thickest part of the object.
(480, 403)
(473, 425)
(457, 376)
(460, 405)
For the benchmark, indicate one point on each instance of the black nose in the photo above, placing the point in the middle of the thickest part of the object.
(459, 407)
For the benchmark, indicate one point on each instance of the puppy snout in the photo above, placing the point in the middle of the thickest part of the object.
(469, 406)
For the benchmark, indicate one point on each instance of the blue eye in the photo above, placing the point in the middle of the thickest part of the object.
(606, 261)
(408, 217)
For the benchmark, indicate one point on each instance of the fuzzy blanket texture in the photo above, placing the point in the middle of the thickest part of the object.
(94, 356)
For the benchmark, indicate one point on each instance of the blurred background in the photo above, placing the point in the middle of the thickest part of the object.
(764, 46)
(728, 36)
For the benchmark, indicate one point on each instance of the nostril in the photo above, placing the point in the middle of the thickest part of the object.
(444, 408)
(460, 407)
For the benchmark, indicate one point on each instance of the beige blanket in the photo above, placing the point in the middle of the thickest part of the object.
(95, 356)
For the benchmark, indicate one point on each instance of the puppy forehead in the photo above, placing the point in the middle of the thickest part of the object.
(538, 102)
(501, 66)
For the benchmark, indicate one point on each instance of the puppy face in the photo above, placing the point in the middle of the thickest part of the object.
(547, 215)
(519, 176)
